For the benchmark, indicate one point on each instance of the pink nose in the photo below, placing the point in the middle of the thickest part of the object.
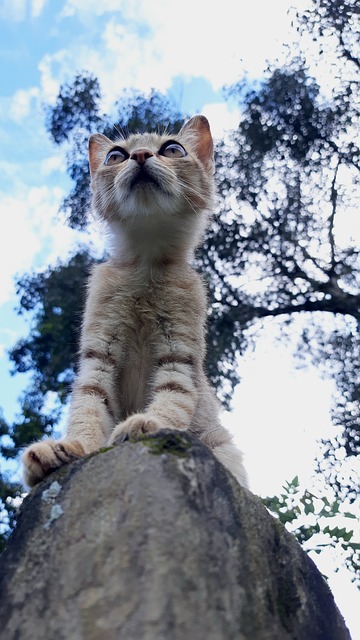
(140, 155)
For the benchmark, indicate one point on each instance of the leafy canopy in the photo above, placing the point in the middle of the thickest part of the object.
(276, 249)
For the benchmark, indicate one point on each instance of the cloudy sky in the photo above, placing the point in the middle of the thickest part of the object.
(190, 50)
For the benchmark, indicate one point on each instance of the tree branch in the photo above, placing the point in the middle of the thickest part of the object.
(349, 306)
(333, 200)
(347, 54)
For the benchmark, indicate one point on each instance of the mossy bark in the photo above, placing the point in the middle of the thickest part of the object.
(155, 540)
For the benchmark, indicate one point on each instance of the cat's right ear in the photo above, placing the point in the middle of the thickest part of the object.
(197, 131)
(98, 144)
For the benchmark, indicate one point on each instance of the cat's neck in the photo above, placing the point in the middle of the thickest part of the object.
(149, 245)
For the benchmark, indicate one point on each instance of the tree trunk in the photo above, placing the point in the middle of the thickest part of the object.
(155, 540)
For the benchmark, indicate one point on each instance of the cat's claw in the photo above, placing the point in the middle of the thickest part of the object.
(134, 427)
(42, 458)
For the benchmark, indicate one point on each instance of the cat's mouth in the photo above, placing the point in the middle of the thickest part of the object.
(143, 178)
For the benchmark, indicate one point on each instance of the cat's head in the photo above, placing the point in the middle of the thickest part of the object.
(151, 175)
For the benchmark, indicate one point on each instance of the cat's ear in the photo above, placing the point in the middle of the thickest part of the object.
(98, 144)
(197, 132)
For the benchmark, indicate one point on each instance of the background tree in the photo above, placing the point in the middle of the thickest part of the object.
(277, 249)
(285, 244)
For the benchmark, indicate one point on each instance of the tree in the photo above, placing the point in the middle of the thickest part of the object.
(276, 249)
(287, 179)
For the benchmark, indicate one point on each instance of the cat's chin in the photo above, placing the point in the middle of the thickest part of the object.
(148, 202)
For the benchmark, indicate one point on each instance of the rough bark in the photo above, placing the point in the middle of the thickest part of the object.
(155, 540)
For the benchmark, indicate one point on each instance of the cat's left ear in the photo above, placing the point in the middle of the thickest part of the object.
(197, 131)
(98, 145)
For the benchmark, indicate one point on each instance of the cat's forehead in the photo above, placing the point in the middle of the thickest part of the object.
(152, 141)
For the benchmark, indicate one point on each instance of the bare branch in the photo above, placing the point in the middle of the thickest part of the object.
(349, 306)
(347, 54)
(333, 200)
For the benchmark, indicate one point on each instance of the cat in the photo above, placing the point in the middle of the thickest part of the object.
(142, 346)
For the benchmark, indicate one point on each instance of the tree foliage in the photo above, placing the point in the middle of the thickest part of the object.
(55, 299)
(318, 524)
(277, 246)
(278, 249)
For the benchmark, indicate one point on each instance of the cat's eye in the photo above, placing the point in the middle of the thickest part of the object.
(116, 156)
(172, 150)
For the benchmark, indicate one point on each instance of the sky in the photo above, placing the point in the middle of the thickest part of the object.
(190, 50)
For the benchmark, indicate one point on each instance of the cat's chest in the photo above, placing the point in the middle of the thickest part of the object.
(140, 312)
(148, 311)
(143, 330)
(138, 322)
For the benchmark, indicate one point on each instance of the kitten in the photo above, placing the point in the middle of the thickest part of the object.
(142, 347)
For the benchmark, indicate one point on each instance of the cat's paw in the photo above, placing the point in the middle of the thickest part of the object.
(43, 458)
(135, 427)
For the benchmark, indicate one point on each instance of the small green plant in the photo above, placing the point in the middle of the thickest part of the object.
(318, 523)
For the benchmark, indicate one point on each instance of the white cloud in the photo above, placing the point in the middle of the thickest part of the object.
(63, 61)
(13, 10)
(33, 235)
(85, 8)
(54, 69)
(18, 242)
(22, 103)
(142, 46)
(264, 420)
(146, 46)
(53, 164)
(37, 7)
(222, 118)
(203, 40)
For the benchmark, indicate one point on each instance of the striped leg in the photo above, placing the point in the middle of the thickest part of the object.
(92, 417)
(174, 400)
(94, 410)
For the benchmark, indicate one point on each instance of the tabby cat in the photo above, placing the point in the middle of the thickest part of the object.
(142, 347)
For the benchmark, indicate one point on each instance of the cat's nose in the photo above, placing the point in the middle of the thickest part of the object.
(141, 155)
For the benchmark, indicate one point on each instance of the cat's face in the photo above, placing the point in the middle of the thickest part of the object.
(153, 175)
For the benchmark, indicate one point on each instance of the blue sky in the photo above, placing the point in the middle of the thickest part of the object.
(190, 50)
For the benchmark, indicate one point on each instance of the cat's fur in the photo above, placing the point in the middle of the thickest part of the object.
(142, 346)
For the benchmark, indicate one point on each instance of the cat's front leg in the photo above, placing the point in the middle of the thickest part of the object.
(42, 458)
(175, 395)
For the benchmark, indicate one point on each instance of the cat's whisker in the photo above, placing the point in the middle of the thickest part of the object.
(120, 131)
(190, 203)
(207, 202)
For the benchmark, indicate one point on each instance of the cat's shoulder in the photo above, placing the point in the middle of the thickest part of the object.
(105, 275)
(187, 281)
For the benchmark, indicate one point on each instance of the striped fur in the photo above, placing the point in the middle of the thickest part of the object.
(142, 346)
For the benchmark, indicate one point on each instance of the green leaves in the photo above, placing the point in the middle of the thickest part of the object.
(306, 515)
(76, 107)
(10, 498)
